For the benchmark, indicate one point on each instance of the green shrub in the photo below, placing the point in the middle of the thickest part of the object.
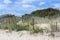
(6, 27)
(22, 27)
(37, 30)
(9, 26)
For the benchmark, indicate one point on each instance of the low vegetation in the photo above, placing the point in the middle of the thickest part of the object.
(22, 27)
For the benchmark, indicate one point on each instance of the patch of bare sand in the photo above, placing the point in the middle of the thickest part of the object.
(24, 35)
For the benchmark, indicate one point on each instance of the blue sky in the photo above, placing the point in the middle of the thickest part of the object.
(20, 7)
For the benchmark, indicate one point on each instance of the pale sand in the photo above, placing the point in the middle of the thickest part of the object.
(24, 35)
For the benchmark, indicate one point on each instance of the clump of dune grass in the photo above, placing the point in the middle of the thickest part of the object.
(22, 27)
(37, 30)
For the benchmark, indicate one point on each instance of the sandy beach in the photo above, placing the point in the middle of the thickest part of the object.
(24, 35)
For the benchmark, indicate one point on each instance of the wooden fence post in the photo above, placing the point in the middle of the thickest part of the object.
(56, 26)
(33, 23)
(22, 18)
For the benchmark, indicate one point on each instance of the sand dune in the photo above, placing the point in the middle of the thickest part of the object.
(24, 35)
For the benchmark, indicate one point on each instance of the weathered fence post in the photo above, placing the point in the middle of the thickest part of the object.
(33, 23)
(13, 19)
(22, 18)
(56, 26)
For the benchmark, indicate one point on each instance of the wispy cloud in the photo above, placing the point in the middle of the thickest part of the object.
(7, 1)
(28, 1)
(25, 1)
(42, 3)
(57, 5)
(3, 6)
(27, 6)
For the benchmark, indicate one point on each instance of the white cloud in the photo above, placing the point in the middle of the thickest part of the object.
(42, 3)
(30, 7)
(56, 5)
(2, 6)
(17, 2)
(28, 1)
(7, 1)
(24, 4)
(27, 6)
(25, 1)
